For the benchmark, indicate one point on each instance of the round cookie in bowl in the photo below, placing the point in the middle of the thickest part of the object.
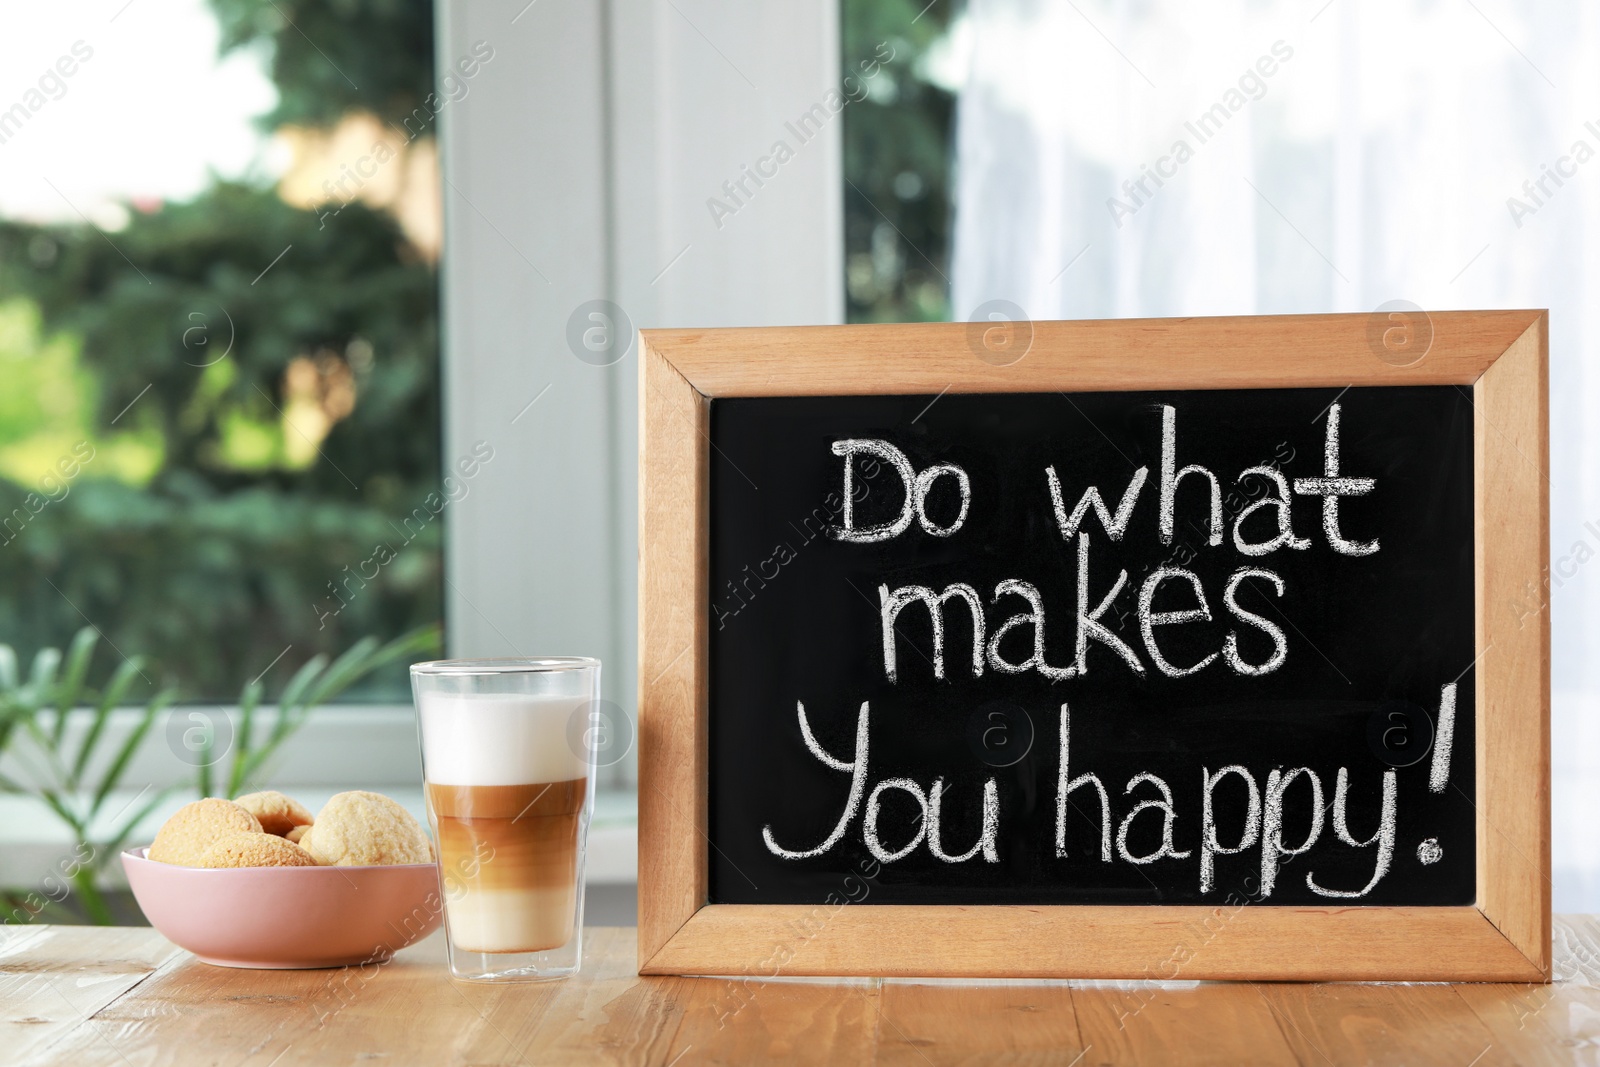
(278, 814)
(254, 850)
(236, 896)
(359, 829)
(186, 836)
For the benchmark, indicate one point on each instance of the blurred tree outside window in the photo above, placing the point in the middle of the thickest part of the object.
(898, 144)
(219, 436)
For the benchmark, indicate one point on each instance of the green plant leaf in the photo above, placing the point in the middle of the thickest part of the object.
(351, 664)
(91, 739)
(10, 713)
(42, 675)
(115, 690)
(350, 667)
(121, 679)
(113, 775)
(252, 760)
(70, 688)
(57, 805)
(426, 640)
(249, 765)
(203, 772)
(8, 669)
(89, 896)
(302, 678)
(58, 770)
(244, 742)
(78, 655)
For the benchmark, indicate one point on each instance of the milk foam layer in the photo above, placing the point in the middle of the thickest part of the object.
(501, 739)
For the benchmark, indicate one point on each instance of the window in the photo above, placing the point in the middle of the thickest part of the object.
(1108, 159)
(896, 160)
(219, 237)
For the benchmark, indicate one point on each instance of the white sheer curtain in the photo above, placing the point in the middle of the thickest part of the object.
(1352, 153)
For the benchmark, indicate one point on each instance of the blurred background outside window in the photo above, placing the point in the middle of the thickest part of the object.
(219, 241)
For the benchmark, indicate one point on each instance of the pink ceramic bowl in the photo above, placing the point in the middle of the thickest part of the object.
(287, 916)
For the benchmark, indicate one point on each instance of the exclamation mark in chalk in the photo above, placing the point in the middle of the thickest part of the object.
(1444, 734)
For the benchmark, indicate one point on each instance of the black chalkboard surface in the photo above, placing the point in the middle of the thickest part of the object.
(1295, 678)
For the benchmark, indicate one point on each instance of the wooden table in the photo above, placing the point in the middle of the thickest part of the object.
(126, 997)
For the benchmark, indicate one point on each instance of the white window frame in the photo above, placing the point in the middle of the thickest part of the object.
(584, 150)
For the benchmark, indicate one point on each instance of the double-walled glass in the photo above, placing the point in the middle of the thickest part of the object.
(509, 773)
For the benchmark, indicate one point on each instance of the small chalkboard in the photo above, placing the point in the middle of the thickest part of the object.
(1188, 646)
(1051, 643)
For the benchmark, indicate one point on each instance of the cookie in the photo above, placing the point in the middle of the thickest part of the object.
(297, 833)
(255, 850)
(184, 838)
(277, 813)
(362, 829)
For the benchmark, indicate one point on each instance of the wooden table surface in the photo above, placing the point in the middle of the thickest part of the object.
(126, 997)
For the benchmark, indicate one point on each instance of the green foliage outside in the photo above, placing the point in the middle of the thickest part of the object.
(156, 478)
(897, 148)
(329, 57)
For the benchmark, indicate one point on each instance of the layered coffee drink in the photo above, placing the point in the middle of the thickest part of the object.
(506, 797)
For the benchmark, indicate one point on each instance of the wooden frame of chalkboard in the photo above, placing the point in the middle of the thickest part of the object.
(1497, 357)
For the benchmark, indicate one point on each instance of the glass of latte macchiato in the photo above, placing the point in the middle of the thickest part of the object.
(508, 767)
